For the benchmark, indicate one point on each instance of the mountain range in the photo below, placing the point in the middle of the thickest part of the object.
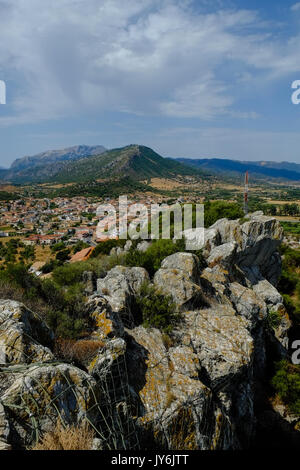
(53, 156)
(258, 169)
(90, 163)
(83, 163)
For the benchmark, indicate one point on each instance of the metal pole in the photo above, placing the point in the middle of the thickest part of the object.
(246, 208)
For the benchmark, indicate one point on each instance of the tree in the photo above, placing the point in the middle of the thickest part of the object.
(28, 253)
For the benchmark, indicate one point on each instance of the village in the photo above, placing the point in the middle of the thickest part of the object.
(44, 223)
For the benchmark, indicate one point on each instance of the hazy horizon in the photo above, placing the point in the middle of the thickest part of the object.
(200, 157)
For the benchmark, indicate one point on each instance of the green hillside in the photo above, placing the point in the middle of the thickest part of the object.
(136, 161)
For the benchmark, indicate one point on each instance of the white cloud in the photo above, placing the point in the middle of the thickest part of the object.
(142, 57)
(295, 7)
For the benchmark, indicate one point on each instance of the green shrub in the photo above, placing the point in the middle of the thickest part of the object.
(63, 255)
(50, 266)
(104, 248)
(64, 325)
(58, 247)
(291, 258)
(214, 211)
(159, 249)
(157, 310)
(151, 259)
(68, 274)
(274, 319)
(287, 282)
(286, 383)
(62, 306)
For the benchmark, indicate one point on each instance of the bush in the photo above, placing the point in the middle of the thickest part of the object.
(62, 308)
(49, 266)
(287, 282)
(286, 383)
(58, 247)
(152, 258)
(69, 274)
(63, 255)
(214, 211)
(104, 248)
(157, 310)
(64, 325)
(291, 258)
(274, 319)
(159, 249)
(81, 352)
(67, 438)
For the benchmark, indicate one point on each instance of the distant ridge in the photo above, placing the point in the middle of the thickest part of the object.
(259, 169)
(52, 156)
(90, 163)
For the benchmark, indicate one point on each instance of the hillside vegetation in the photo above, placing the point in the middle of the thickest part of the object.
(135, 161)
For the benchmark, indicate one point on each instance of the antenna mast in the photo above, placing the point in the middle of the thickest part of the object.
(246, 208)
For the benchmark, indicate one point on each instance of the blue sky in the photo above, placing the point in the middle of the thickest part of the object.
(205, 78)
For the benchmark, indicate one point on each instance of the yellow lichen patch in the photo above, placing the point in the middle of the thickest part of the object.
(103, 323)
(185, 361)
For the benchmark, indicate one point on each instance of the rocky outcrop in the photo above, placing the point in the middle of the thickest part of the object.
(257, 240)
(4, 430)
(193, 389)
(179, 278)
(38, 395)
(24, 337)
(119, 288)
(178, 410)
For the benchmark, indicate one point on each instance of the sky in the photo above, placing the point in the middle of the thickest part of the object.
(197, 79)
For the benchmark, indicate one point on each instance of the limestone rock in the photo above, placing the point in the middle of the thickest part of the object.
(178, 277)
(177, 284)
(267, 292)
(24, 337)
(178, 409)
(223, 254)
(119, 288)
(186, 262)
(143, 246)
(88, 278)
(105, 322)
(102, 364)
(212, 238)
(257, 241)
(229, 231)
(248, 304)
(4, 430)
(222, 343)
(40, 394)
(127, 245)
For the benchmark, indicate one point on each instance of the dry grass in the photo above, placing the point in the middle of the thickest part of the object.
(164, 183)
(69, 438)
(43, 253)
(82, 351)
(9, 188)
